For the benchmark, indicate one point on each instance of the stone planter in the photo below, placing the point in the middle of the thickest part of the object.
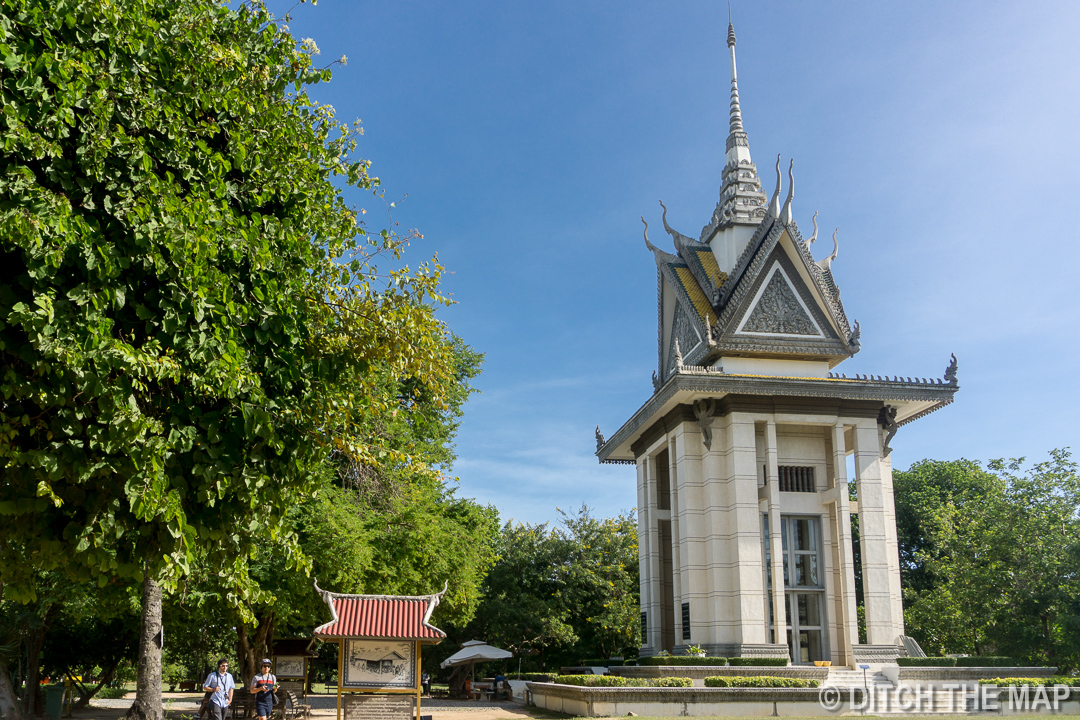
(693, 702)
(698, 673)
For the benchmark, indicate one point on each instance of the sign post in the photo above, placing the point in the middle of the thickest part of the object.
(379, 639)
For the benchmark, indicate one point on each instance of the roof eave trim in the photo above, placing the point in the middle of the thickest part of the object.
(433, 601)
(711, 381)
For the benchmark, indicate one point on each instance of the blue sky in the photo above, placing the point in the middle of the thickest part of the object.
(529, 137)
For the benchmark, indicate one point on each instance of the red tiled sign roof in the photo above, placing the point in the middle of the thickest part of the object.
(380, 616)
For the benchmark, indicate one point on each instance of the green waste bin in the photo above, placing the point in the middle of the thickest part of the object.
(54, 701)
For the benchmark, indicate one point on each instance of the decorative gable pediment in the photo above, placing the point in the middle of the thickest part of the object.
(778, 309)
(779, 305)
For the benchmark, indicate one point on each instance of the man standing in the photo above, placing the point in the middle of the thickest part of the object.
(263, 686)
(220, 684)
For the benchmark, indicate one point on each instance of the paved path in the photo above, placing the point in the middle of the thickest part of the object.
(321, 704)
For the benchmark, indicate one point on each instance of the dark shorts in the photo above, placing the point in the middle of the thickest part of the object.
(264, 706)
(217, 712)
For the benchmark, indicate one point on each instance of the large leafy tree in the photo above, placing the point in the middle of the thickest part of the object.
(921, 492)
(568, 592)
(191, 318)
(1002, 561)
(385, 528)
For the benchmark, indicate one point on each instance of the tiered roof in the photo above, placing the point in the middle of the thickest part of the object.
(751, 288)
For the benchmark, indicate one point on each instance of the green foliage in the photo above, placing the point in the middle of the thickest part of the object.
(1034, 682)
(619, 681)
(926, 661)
(755, 662)
(191, 318)
(596, 680)
(92, 632)
(537, 677)
(998, 557)
(681, 660)
(600, 662)
(987, 661)
(759, 681)
(921, 491)
(569, 591)
(671, 682)
(112, 693)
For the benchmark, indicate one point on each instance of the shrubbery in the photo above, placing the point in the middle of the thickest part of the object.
(618, 681)
(111, 693)
(681, 660)
(538, 677)
(754, 662)
(694, 660)
(672, 682)
(593, 680)
(971, 661)
(595, 662)
(760, 681)
(1016, 682)
(988, 661)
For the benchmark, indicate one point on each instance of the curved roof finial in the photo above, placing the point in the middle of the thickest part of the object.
(814, 236)
(681, 240)
(826, 264)
(647, 243)
(785, 214)
(774, 204)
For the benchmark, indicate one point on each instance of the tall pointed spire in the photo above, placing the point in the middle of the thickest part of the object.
(741, 200)
(737, 136)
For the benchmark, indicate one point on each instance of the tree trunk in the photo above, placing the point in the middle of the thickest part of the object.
(9, 705)
(458, 676)
(243, 648)
(147, 705)
(33, 663)
(253, 649)
(87, 695)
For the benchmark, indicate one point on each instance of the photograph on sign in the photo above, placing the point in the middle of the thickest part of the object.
(289, 666)
(380, 664)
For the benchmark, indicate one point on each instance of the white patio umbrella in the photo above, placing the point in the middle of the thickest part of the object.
(476, 651)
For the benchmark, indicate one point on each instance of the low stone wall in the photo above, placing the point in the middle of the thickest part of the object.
(785, 702)
(690, 702)
(698, 673)
(938, 676)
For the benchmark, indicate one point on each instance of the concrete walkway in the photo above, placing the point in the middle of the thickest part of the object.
(323, 707)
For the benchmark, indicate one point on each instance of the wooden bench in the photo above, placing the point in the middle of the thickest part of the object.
(297, 709)
(299, 687)
(243, 704)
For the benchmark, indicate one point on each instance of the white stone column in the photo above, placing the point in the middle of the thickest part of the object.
(656, 591)
(877, 568)
(847, 621)
(746, 528)
(772, 484)
(893, 543)
(676, 535)
(645, 548)
(722, 624)
(694, 573)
